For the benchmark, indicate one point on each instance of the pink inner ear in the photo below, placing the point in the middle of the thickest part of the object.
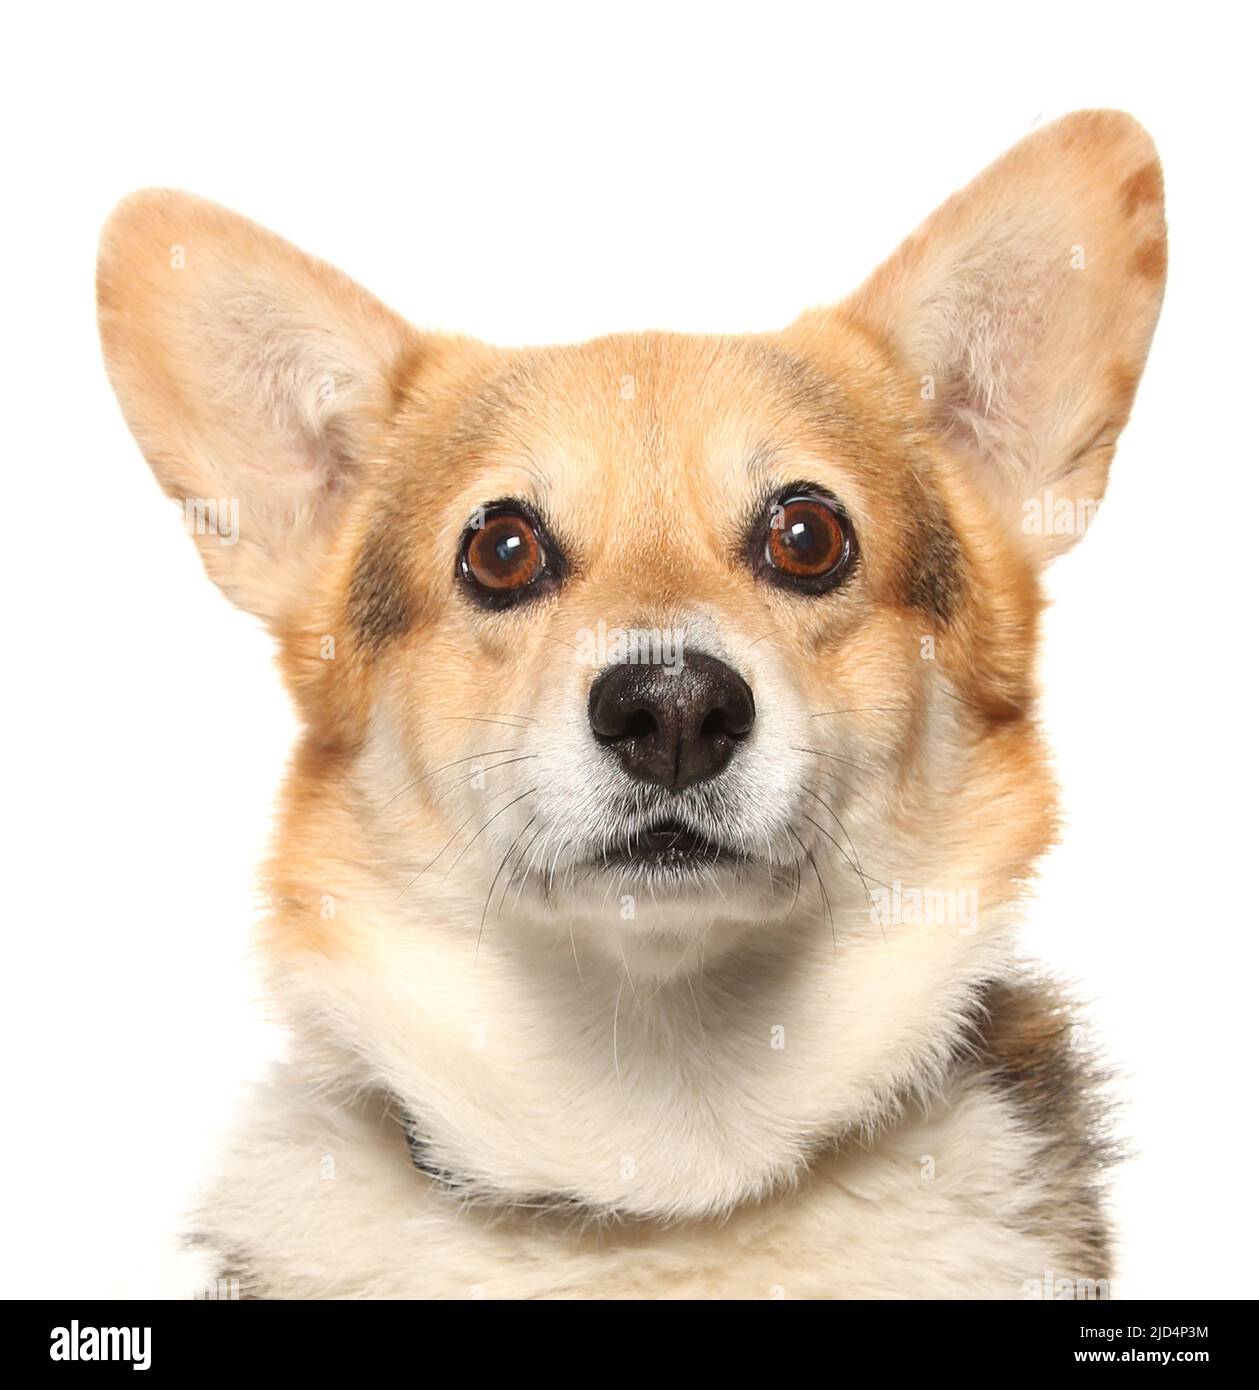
(984, 330)
(295, 403)
(332, 457)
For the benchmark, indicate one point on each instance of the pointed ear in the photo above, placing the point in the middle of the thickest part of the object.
(254, 377)
(1024, 309)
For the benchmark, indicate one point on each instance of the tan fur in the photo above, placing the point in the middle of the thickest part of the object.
(624, 1068)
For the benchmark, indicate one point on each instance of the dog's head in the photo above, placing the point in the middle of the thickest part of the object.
(658, 636)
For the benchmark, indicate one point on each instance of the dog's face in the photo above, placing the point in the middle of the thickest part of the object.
(660, 634)
(654, 624)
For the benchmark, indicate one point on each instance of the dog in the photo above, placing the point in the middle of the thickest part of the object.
(644, 895)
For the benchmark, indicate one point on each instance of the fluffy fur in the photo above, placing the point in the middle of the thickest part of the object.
(770, 1079)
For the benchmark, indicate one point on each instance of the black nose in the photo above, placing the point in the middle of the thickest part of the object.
(672, 726)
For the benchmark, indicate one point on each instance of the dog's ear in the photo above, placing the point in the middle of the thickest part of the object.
(1024, 308)
(254, 378)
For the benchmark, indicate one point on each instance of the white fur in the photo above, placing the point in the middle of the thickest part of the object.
(319, 1200)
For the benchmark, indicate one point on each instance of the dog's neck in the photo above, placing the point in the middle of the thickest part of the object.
(526, 1071)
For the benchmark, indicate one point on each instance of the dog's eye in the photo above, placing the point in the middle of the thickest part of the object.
(809, 543)
(502, 555)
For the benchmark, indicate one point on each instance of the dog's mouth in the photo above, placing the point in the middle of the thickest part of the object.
(665, 845)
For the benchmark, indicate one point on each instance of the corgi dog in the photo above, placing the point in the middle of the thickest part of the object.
(643, 903)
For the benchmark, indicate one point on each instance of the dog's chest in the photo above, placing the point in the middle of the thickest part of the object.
(317, 1202)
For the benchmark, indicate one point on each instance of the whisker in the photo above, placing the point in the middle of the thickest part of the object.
(863, 709)
(484, 828)
(484, 719)
(616, 1013)
(559, 849)
(494, 884)
(855, 861)
(822, 886)
(572, 941)
(838, 846)
(460, 781)
(821, 753)
(532, 856)
(795, 897)
(488, 753)
(458, 831)
(962, 700)
(502, 901)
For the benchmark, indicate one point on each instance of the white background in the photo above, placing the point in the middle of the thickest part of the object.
(531, 174)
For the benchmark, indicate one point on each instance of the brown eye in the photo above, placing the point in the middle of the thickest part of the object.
(810, 543)
(502, 556)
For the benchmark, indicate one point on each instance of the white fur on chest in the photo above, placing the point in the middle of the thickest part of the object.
(317, 1200)
(532, 1070)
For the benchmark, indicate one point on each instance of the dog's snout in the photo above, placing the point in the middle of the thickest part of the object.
(671, 726)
